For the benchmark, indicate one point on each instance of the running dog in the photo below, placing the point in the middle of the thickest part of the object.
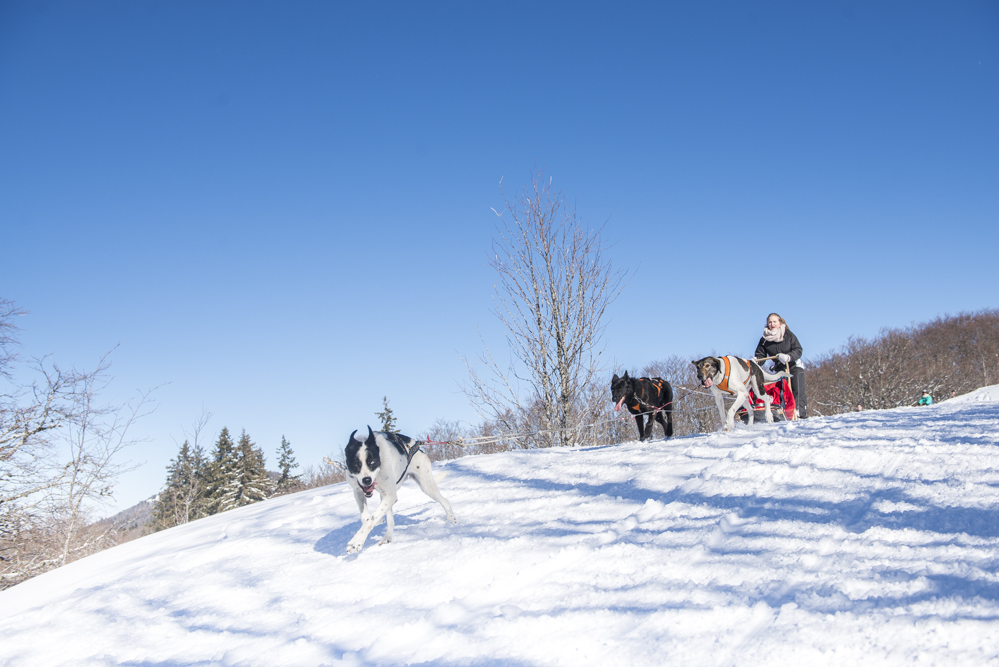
(644, 396)
(735, 377)
(380, 462)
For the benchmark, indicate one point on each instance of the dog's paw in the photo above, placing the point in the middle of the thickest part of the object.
(354, 546)
(385, 540)
(452, 518)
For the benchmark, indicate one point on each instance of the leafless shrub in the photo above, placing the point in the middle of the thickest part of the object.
(441, 438)
(603, 426)
(326, 472)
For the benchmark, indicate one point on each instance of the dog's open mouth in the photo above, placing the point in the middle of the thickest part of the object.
(368, 490)
(707, 382)
(617, 406)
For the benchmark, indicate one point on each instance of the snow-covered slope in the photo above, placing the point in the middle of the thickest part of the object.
(868, 538)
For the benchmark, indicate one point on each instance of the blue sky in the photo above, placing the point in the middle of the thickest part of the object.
(281, 211)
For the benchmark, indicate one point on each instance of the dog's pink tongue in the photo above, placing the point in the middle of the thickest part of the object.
(617, 406)
(707, 382)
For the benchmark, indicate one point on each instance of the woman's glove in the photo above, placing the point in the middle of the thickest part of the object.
(783, 358)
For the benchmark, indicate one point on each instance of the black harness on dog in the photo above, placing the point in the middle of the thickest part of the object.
(641, 405)
(410, 453)
(402, 443)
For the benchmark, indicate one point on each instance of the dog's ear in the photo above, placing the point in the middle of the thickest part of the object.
(370, 440)
(626, 375)
(614, 379)
(352, 434)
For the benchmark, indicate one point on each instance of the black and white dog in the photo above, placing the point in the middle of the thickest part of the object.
(644, 397)
(735, 376)
(379, 463)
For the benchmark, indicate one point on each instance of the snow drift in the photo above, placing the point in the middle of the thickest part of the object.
(870, 537)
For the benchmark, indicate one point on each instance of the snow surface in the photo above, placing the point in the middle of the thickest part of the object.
(866, 538)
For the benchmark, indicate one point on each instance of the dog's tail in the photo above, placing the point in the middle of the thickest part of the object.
(760, 376)
(769, 377)
(438, 476)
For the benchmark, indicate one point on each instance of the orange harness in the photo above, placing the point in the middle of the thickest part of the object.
(723, 385)
(659, 387)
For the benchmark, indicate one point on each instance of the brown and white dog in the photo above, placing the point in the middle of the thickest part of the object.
(734, 376)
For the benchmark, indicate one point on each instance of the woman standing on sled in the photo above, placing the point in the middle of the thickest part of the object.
(778, 341)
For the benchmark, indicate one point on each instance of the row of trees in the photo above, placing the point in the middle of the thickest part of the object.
(232, 475)
(953, 354)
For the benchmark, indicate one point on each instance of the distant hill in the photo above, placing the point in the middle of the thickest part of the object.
(132, 522)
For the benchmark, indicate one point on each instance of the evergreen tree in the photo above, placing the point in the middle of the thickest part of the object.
(251, 475)
(388, 419)
(287, 483)
(195, 485)
(164, 513)
(223, 481)
(183, 498)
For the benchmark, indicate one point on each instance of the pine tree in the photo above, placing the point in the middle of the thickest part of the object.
(223, 482)
(251, 474)
(194, 476)
(183, 498)
(388, 419)
(164, 513)
(287, 483)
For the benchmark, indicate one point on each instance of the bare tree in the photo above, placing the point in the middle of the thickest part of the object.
(30, 419)
(8, 335)
(191, 494)
(59, 449)
(553, 288)
(96, 436)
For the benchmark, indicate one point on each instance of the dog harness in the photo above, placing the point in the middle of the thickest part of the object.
(723, 385)
(410, 453)
(642, 406)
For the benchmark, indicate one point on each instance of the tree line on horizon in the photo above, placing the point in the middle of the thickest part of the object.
(232, 475)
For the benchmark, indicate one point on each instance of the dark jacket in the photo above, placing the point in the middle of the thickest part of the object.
(789, 346)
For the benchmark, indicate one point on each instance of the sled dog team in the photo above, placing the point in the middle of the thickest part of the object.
(381, 461)
(653, 397)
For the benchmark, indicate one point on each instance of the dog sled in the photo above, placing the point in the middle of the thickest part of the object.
(782, 404)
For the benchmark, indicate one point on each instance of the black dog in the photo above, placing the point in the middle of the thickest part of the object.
(642, 396)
